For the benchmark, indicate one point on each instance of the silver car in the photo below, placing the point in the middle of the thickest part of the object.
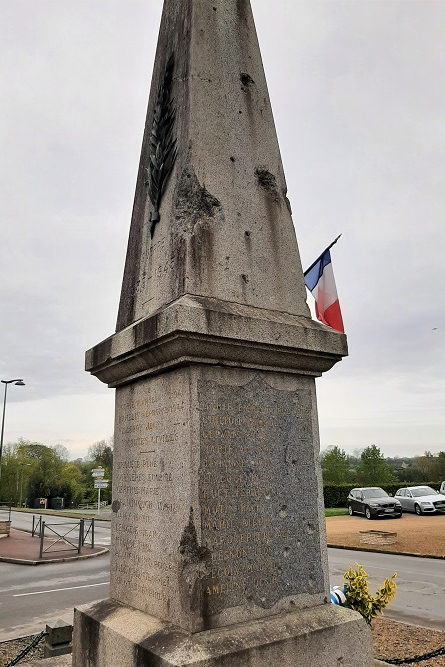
(420, 499)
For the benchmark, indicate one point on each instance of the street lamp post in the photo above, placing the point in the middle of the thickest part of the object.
(20, 383)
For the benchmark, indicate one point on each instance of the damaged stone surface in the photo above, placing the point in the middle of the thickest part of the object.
(228, 176)
(268, 182)
(195, 565)
(193, 201)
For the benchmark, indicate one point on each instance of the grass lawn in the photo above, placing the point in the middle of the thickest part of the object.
(335, 511)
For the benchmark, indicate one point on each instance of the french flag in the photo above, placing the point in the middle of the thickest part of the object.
(319, 279)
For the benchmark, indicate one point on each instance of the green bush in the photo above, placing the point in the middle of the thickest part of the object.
(360, 599)
(336, 495)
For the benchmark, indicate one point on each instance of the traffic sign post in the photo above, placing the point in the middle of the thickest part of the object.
(99, 483)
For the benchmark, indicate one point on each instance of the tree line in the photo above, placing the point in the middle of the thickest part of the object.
(370, 467)
(31, 471)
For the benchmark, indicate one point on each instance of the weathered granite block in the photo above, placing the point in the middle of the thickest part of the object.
(218, 509)
(325, 636)
(59, 632)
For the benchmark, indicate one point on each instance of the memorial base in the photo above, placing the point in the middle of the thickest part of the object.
(111, 634)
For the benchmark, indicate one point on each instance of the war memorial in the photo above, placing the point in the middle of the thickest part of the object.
(218, 541)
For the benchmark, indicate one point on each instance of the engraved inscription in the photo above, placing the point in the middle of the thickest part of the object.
(148, 471)
(257, 488)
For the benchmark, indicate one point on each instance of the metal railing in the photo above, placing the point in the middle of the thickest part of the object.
(68, 536)
(87, 530)
(36, 525)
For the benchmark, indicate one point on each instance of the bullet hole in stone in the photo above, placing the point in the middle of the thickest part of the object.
(245, 277)
(294, 462)
(298, 543)
(286, 552)
(232, 159)
(214, 9)
(311, 582)
(310, 529)
(240, 112)
(267, 497)
(247, 234)
(292, 603)
(246, 79)
(282, 512)
(280, 570)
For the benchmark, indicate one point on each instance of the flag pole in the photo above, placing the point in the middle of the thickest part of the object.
(321, 255)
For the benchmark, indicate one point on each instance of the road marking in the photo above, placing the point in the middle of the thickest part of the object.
(56, 590)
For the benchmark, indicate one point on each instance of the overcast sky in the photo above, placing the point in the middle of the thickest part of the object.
(358, 94)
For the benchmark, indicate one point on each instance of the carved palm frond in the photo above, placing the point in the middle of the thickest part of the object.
(162, 143)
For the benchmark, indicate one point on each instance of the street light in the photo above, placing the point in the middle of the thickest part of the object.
(19, 383)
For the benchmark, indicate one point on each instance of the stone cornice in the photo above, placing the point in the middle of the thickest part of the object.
(208, 331)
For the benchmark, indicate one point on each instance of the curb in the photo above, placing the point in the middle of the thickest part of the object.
(68, 515)
(383, 551)
(23, 561)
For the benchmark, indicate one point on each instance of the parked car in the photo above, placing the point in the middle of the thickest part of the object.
(442, 488)
(373, 502)
(420, 499)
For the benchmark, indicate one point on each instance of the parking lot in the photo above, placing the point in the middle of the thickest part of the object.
(423, 535)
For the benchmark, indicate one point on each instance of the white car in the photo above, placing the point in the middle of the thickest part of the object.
(442, 488)
(420, 499)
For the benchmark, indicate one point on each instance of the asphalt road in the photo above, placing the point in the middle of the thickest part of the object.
(420, 598)
(32, 596)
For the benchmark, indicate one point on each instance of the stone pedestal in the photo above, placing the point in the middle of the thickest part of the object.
(218, 507)
(218, 550)
(218, 541)
(327, 636)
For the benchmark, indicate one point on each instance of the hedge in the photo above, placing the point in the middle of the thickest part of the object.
(336, 495)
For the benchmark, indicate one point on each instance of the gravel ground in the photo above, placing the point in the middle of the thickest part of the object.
(399, 640)
(423, 535)
(10, 649)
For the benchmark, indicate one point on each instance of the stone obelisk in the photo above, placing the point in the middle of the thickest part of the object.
(218, 542)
